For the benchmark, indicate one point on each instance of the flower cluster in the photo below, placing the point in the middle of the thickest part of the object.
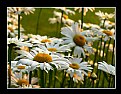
(43, 61)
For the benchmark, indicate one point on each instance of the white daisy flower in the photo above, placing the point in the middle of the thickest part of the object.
(78, 67)
(85, 9)
(19, 10)
(55, 47)
(108, 24)
(44, 60)
(17, 42)
(67, 11)
(106, 67)
(108, 34)
(105, 15)
(77, 39)
(57, 18)
(19, 81)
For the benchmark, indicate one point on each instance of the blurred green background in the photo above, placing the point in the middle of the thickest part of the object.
(29, 22)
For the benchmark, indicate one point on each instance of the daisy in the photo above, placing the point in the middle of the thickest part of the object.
(105, 15)
(79, 68)
(55, 47)
(57, 18)
(17, 42)
(75, 38)
(19, 81)
(108, 34)
(106, 67)
(41, 58)
(85, 9)
(108, 24)
(19, 10)
(67, 11)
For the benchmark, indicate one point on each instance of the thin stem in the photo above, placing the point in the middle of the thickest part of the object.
(9, 60)
(70, 82)
(61, 22)
(55, 73)
(38, 20)
(63, 79)
(18, 26)
(95, 56)
(82, 18)
(99, 72)
(45, 78)
(104, 22)
(50, 78)
(57, 29)
(111, 63)
(42, 79)
(107, 50)
(30, 77)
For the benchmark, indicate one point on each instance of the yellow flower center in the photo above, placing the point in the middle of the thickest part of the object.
(11, 29)
(74, 66)
(65, 16)
(22, 81)
(45, 40)
(52, 49)
(25, 48)
(79, 40)
(21, 67)
(42, 57)
(109, 33)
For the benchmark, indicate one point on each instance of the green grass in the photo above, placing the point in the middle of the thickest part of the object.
(29, 22)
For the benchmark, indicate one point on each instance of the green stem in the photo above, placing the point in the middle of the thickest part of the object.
(45, 78)
(82, 18)
(57, 29)
(70, 85)
(50, 78)
(30, 77)
(111, 63)
(55, 74)
(93, 84)
(107, 50)
(104, 22)
(72, 51)
(9, 60)
(98, 71)
(61, 22)
(18, 26)
(63, 79)
(38, 20)
(42, 79)
(95, 56)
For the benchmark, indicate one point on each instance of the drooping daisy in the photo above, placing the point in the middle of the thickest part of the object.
(77, 67)
(44, 60)
(77, 39)
(106, 67)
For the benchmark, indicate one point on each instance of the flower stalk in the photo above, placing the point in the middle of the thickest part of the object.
(82, 15)
(18, 26)
(38, 20)
(9, 60)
